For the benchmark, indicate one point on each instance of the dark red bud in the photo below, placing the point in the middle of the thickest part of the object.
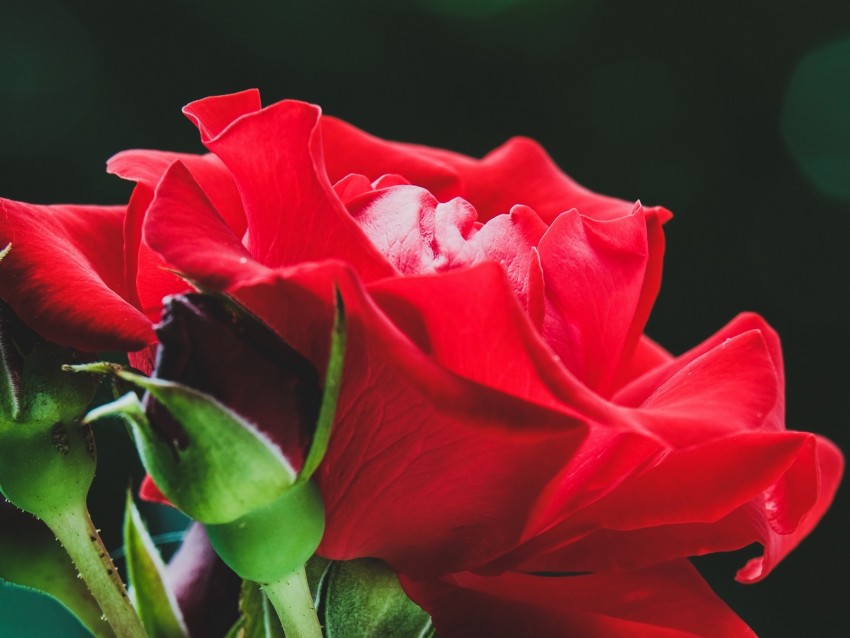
(209, 344)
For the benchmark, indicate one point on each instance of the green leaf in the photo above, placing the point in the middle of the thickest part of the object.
(155, 604)
(364, 600)
(330, 398)
(258, 619)
(31, 557)
(227, 469)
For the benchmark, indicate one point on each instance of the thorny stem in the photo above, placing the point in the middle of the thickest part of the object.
(76, 532)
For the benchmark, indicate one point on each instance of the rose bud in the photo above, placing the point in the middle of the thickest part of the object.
(47, 459)
(238, 465)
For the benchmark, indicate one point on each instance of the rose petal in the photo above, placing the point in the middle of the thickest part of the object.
(150, 492)
(347, 149)
(663, 601)
(147, 167)
(400, 223)
(730, 389)
(636, 392)
(647, 355)
(351, 186)
(778, 518)
(536, 291)
(601, 278)
(655, 219)
(64, 276)
(183, 225)
(521, 172)
(786, 505)
(492, 342)
(508, 240)
(146, 275)
(769, 488)
(292, 211)
(417, 234)
(518, 172)
(147, 279)
(696, 484)
(214, 114)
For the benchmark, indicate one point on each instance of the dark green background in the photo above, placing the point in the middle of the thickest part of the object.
(735, 115)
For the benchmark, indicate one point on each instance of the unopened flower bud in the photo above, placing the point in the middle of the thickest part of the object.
(47, 458)
(233, 423)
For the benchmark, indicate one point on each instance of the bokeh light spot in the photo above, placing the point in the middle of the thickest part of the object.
(816, 118)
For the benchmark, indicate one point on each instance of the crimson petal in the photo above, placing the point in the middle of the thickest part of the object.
(147, 167)
(518, 172)
(488, 339)
(521, 172)
(768, 487)
(601, 278)
(292, 211)
(64, 275)
(214, 114)
(148, 281)
(664, 601)
(350, 150)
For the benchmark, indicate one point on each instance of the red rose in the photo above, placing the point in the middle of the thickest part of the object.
(501, 410)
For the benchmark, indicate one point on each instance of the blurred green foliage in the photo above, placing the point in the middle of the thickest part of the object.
(816, 118)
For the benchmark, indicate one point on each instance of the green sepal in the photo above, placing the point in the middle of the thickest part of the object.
(31, 557)
(364, 599)
(227, 469)
(330, 396)
(155, 604)
(47, 458)
(272, 541)
(257, 616)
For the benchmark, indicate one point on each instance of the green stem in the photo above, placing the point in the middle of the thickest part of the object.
(81, 540)
(293, 602)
